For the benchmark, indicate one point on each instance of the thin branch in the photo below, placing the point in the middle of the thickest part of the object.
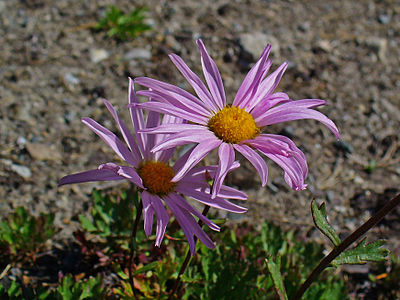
(187, 258)
(133, 245)
(346, 243)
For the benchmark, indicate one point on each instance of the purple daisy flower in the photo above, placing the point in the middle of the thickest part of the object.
(151, 172)
(212, 123)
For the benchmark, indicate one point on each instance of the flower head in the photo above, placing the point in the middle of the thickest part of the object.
(212, 123)
(153, 174)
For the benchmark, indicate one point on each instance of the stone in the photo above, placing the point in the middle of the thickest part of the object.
(22, 171)
(97, 55)
(43, 152)
(254, 43)
(138, 53)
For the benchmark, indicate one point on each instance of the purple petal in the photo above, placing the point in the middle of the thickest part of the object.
(129, 139)
(226, 158)
(91, 175)
(289, 112)
(136, 116)
(270, 101)
(181, 201)
(111, 139)
(161, 215)
(205, 198)
(268, 85)
(256, 160)
(172, 128)
(148, 213)
(212, 76)
(198, 153)
(169, 109)
(130, 174)
(153, 120)
(198, 85)
(186, 137)
(252, 80)
(231, 193)
(174, 91)
(178, 101)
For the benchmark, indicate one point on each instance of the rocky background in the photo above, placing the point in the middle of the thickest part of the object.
(54, 70)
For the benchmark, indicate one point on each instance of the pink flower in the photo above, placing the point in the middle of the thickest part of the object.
(151, 172)
(212, 123)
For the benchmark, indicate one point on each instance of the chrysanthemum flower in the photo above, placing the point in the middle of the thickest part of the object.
(152, 173)
(212, 123)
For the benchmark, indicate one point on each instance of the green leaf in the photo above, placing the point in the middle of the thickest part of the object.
(146, 268)
(321, 221)
(87, 224)
(274, 268)
(362, 253)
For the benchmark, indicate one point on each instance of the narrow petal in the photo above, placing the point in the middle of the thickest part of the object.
(231, 193)
(256, 160)
(129, 139)
(269, 84)
(169, 109)
(176, 100)
(111, 139)
(186, 137)
(161, 216)
(90, 175)
(206, 199)
(136, 116)
(250, 83)
(270, 101)
(170, 89)
(198, 85)
(212, 76)
(130, 174)
(153, 120)
(198, 153)
(189, 226)
(181, 201)
(148, 213)
(289, 112)
(226, 155)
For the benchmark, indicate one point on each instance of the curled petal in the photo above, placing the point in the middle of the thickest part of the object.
(256, 160)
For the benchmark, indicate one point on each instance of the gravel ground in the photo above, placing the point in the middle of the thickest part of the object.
(54, 70)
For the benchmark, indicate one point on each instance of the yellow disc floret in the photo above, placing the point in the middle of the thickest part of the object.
(156, 177)
(233, 125)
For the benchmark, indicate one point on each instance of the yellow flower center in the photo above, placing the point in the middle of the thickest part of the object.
(156, 177)
(233, 125)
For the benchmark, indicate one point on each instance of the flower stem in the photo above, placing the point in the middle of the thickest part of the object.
(133, 245)
(187, 258)
(346, 243)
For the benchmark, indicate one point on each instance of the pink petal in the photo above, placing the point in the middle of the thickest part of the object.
(212, 76)
(171, 90)
(129, 139)
(130, 174)
(153, 120)
(226, 158)
(198, 153)
(270, 101)
(289, 112)
(252, 80)
(256, 160)
(111, 139)
(181, 201)
(91, 175)
(136, 116)
(148, 213)
(198, 85)
(161, 215)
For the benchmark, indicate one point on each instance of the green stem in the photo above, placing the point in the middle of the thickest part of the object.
(346, 243)
(133, 245)
(187, 258)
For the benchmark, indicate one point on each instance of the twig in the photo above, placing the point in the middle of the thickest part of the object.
(133, 245)
(346, 243)
(187, 258)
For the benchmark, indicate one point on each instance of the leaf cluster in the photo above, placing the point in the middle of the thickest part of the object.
(121, 25)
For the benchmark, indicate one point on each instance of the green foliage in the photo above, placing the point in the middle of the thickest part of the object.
(69, 289)
(235, 269)
(387, 283)
(362, 253)
(111, 218)
(121, 25)
(321, 221)
(274, 268)
(24, 233)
